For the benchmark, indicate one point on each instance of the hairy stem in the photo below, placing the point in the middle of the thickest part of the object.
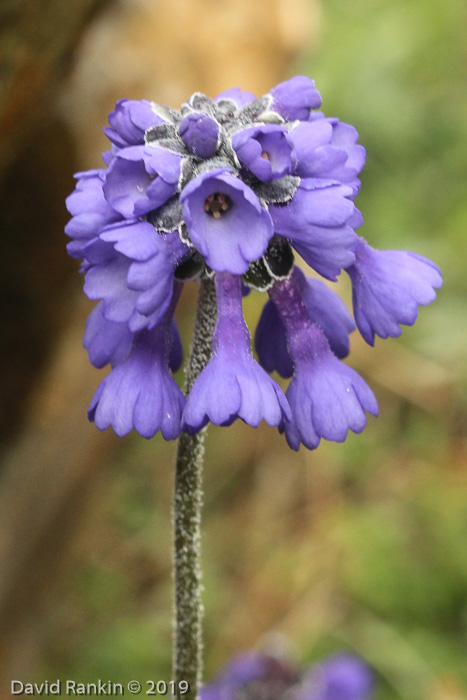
(187, 515)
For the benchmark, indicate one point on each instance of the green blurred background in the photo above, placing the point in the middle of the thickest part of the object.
(359, 546)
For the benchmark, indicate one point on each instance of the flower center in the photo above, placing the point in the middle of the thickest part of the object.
(217, 204)
(265, 155)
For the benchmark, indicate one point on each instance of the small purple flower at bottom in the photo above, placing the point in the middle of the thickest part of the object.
(387, 288)
(260, 676)
(233, 385)
(339, 677)
(327, 398)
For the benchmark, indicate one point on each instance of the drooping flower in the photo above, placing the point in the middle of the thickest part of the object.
(233, 385)
(327, 398)
(233, 188)
(388, 286)
(316, 221)
(261, 676)
(140, 391)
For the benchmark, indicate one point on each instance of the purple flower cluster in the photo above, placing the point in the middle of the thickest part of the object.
(258, 676)
(228, 188)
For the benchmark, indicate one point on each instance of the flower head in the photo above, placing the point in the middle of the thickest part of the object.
(232, 188)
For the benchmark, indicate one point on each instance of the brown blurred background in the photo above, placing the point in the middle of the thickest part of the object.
(357, 546)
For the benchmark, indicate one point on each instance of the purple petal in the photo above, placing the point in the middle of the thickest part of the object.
(106, 341)
(153, 278)
(126, 184)
(271, 342)
(327, 311)
(140, 179)
(225, 391)
(108, 283)
(135, 239)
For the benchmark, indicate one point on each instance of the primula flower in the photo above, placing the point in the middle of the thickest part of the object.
(226, 221)
(261, 676)
(233, 385)
(388, 286)
(233, 188)
(265, 151)
(140, 391)
(326, 396)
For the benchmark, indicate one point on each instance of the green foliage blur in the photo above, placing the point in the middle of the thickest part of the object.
(359, 546)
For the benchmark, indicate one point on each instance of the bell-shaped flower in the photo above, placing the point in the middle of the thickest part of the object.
(141, 178)
(233, 385)
(129, 121)
(265, 150)
(388, 286)
(200, 134)
(89, 209)
(134, 275)
(328, 148)
(140, 392)
(316, 221)
(327, 398)
(293, 99)
(225, 221)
